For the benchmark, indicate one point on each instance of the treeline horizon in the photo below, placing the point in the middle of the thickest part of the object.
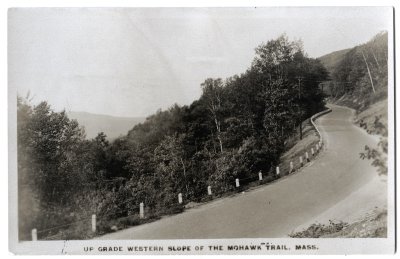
(236, 129)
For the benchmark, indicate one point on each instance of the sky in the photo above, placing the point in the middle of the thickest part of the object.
(130, 62)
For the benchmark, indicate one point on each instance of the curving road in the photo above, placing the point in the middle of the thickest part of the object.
(277, 209)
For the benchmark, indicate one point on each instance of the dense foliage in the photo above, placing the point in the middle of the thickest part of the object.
(237, 128)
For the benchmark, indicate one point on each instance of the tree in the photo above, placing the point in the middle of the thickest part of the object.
(171, 162)
(53, 140)
(272, 57)
(281, 66)
(50, 170)
(213, 95)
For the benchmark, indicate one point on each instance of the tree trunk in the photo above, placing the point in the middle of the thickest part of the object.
(213, 141)
(376, 60)
(184, 175)
(369, 72)
(301, 129)
(220, 143)
(218, 126)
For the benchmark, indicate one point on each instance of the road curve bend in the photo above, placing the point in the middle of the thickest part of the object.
(276, 209)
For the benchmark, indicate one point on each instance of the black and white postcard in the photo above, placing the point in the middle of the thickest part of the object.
(201, 130)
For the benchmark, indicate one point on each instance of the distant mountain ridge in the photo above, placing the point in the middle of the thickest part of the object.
(112, 126)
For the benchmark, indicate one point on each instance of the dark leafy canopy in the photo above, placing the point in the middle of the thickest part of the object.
(55, 162)
(234, 130)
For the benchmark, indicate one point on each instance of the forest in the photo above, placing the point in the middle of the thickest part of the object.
(237, 128)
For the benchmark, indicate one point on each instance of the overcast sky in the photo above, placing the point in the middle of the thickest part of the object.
(130, 62)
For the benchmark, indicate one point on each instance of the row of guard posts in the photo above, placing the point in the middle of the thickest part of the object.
(318, 146)
(209, 191)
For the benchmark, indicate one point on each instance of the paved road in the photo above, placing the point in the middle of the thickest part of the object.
(277, 209)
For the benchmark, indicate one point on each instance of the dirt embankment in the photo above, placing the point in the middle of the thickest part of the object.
(374, 119)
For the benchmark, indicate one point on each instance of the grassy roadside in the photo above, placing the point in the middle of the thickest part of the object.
(296, 148)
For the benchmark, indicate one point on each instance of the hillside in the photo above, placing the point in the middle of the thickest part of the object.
(359, 76)
(331, 60)
(112, 126)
